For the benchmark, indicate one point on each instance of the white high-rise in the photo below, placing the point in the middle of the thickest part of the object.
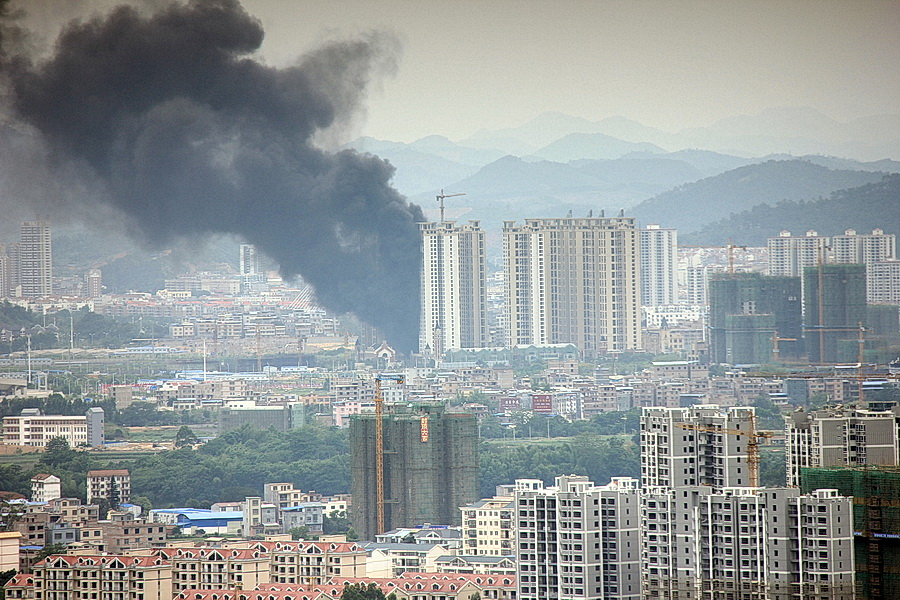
(863, 248)
(573, 281)
(454, 305)
(659, 261)
(35, 260)
(577, 540)
(788, 255)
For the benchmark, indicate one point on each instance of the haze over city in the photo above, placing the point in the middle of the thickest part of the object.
(470, 65)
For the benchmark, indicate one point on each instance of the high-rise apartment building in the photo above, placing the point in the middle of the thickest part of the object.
(454, 294)
(697, 279)
(247, 262)
(577, 540)
(35, 260)
(863, 248)
(789, 255)
(488, 526)
(834, 303)
(573, 281)
(698, 445)
(840, 437)
(93, 283)
(747, 312)
(430, 465)
(883, 282)
(659, 262)
(747, 543)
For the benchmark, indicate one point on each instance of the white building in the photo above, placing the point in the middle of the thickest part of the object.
(31, 428)
(659, 262)
(35, 260)
(45, 487)
(693, 446)
(488, 527)
(573, 281)
(838, 437)
(863, 248)
(747, 543)
(883, 282)
(578, 540)
(789, 255)
(107, 483)
(454, 305)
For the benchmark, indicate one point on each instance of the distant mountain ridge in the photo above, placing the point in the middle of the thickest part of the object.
(692, 206)
(864, 208)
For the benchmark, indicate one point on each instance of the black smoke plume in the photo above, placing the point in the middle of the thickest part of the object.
(188, 135)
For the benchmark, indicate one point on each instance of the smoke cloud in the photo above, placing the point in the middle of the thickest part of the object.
(188, 134)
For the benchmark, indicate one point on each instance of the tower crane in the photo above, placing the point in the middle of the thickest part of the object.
(440, 198)
(752, 442)
(379, 447)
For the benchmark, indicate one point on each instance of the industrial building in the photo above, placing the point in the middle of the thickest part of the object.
(454, 289)
(834, 310)
(430, 466)
(574, 281)
(752, 316)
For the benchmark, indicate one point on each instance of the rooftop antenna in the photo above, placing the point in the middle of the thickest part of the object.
(440, 198)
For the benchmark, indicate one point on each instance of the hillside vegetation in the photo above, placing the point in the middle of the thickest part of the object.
(864, 208)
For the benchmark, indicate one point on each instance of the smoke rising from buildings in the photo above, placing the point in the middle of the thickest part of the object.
(187, 134)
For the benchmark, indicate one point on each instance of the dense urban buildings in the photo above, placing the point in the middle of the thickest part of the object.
(574, 281)
(430, 466)
(454, 300)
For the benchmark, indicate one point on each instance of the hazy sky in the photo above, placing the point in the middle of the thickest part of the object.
(473, 64)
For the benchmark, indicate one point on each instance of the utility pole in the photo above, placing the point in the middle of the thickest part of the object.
(440, 198)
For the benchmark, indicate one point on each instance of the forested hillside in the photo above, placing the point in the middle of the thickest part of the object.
(692, 206)
(876, 205)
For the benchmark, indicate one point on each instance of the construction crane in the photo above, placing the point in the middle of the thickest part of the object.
(752, 443)
(440, 198)
(379, 447)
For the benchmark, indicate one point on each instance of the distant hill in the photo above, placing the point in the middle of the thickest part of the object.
(514, 189)
(592, 146)
(692, 206)
(875, 205)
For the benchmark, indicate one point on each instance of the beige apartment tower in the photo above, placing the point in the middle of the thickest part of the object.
(574, 281)
(454, 297)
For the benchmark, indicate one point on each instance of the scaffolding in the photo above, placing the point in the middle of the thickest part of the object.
(430, 466)
(876, 522)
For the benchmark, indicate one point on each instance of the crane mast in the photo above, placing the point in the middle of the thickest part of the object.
(379, 447)
(753, 458)
(440, 198)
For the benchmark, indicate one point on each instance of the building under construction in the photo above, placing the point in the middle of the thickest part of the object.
(751, 315)
(430, 466)
(876, 522)
(834, 307)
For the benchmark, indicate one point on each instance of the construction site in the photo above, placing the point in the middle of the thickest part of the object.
(876, 522)
(428, 462)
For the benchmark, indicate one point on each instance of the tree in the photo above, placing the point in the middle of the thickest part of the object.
(185, 437)
(360, 591)
(299, 533)
(57, 452)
